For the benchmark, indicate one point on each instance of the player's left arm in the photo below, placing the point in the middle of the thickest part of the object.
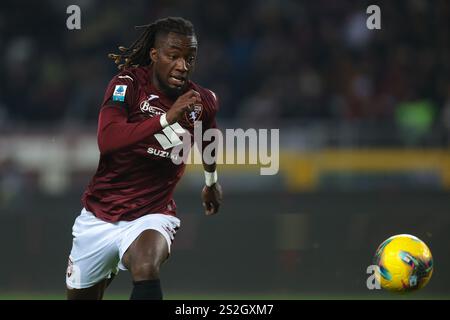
(212, 191)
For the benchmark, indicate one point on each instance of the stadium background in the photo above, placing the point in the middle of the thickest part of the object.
(364, 119)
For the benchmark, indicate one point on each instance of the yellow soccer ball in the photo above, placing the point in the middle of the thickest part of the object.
(403, 263)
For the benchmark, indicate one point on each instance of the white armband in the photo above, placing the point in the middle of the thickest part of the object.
(163, 121)
(210, 178)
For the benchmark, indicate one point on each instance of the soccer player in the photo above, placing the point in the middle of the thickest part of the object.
(129, 217)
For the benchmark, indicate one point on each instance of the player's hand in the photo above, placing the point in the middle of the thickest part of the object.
(212, 198)
(184, 103)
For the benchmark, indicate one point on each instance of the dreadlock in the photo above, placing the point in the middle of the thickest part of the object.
(138, 53)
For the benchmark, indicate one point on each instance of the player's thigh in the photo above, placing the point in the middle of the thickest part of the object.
(94, 255)
(146, 241)
(149, 249)
(92, 293)
(95, 292)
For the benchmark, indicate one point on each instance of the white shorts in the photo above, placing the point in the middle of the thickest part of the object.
(98, 246)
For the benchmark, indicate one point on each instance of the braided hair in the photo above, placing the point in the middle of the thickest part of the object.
(138, 53)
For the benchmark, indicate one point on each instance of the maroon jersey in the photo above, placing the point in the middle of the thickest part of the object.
(136, 175)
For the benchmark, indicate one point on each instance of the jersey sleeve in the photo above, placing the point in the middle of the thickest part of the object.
(212, 107)
(114, 131)
(209, 118)
(121, 91)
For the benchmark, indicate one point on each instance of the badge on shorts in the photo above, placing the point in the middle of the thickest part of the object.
(69, 268)
(119, 93)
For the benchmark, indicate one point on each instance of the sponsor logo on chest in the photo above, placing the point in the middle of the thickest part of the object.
(149, 109)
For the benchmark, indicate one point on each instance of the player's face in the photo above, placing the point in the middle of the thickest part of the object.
(173, 61)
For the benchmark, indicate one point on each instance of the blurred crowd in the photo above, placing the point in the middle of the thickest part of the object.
(267, 60)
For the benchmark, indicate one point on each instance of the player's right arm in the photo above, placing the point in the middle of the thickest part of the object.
(114, 130)
(115, 133)
(184, 103)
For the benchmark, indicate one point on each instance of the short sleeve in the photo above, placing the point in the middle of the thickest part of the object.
(120, 91)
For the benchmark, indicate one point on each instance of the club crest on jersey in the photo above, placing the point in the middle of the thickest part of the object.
(194, 115)
(119, 92)
(150, 110)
